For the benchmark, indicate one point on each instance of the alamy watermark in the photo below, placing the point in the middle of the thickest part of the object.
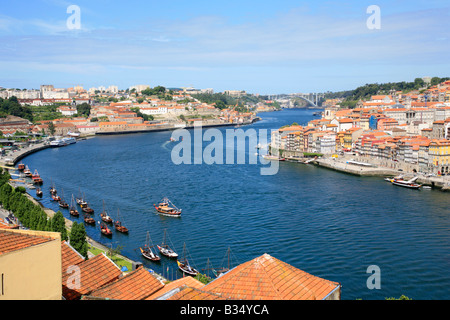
(374, 280)
(73, 22)
(190, 148)
(374, 21)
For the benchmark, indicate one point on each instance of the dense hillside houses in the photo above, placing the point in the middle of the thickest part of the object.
(406, 128)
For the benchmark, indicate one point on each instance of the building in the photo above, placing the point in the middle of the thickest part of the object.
(67, 110)
(439, 156)
(13, 123)
(30, 265)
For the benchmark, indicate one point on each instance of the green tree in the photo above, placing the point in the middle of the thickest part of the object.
(78, 238)
(84, 109)
(59, 225)
(51, 128)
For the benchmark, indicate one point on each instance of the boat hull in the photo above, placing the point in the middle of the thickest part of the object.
(167, 253)
(148, 256)
(407, 185)
(186, 269)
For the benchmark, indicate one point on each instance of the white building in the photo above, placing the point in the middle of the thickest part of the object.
(153, 110)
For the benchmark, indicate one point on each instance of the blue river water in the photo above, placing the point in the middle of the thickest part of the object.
(330, 224)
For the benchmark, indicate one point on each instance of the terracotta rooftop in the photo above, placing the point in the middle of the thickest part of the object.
(185, 281)
(267, 278)
(69, 256)
(136, 285)
(95, 272)
(189, 293)
(12, 241)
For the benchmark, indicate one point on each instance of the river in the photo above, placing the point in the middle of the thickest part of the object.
(330, 224)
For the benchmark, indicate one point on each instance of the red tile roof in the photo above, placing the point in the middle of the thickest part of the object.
(94, 273)
(182, 282)
(69, 256)
(136, 285)
(189, 293)
(12, 241)
(267, 278)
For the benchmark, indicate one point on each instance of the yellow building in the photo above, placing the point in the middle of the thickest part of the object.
(439, 155)
(30, 265)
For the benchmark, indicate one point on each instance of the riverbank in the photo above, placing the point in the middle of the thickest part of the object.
(346, 166)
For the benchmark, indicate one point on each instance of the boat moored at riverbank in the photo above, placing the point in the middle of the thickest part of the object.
(407, 184)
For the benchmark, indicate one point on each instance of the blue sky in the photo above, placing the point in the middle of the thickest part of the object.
(259, 46)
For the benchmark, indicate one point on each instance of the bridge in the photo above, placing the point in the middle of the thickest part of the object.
(311, 98)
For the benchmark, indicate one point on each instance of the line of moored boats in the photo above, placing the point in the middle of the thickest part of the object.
(164, 207)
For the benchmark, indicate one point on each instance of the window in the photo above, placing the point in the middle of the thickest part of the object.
(2, 292)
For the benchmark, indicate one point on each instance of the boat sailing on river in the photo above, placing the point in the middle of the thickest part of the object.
(167, 208)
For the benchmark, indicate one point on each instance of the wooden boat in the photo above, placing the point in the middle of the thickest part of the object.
(223, 270)
(88, 219)
(104, 214)
(80, 200)
(62, 202)
(184, 265)
(105, 230)
(36, 178)
(55, 197)
(21, 167)
(147, 251)
(87, 209)
(118, 225)
(164, 208)
(73, 209)
(39, 192)
(165, 249)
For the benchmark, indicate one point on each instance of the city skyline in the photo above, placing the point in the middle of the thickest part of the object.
(259, 47)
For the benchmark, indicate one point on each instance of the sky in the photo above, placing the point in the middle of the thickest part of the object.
(259, 46)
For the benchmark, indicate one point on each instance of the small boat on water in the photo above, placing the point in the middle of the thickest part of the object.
(88, 219)
(55, 197)
(36, 178)
(118, 224)
(62, 202)
(87, 209)
(21, 167)
(39, 192)
(164, 208)
(407, 184)
(80, 199)
(58, 143)
(69, 140)
(147, 251)
(184, 265)
(27, 172)
(105, 230)
(73, 209)
(104, 215)
(165, 249)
